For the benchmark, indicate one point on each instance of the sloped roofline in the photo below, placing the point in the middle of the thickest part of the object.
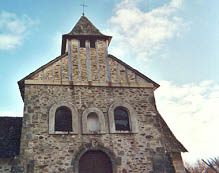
(163, 123)
(83, 30)
(134, 70)
(21, 82)
(179, 144)
(85, 22)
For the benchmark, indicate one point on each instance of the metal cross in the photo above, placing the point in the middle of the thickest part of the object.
(83, 5)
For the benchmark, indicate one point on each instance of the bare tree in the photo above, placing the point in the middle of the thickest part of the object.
(198, 167)
(213, 164)
(204, 166)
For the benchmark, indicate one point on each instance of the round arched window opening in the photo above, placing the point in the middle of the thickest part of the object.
(121, 118)
(93, 124)
(63, 119)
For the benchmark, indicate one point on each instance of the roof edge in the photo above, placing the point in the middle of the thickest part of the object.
(136, 71)
(182, 148)
(84, 24)
(21, 82)
(79, 37)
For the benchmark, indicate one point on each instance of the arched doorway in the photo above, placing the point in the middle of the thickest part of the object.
(95, 162)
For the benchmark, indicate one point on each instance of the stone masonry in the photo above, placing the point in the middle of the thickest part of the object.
(54, 153)
(90, 79)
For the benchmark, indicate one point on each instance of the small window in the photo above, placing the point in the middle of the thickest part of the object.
(93, 124)
(121, 118)
(82, 43)
(92, 43)
(63, 119)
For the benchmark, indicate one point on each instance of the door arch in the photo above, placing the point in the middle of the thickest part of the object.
(95, 161)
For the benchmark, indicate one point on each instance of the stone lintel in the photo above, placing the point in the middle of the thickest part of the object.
(67, 83)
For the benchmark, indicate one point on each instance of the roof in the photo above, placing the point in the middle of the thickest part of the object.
(170, 141)
(10, 134)
(21, 82)
(83, 29)
(134, 70)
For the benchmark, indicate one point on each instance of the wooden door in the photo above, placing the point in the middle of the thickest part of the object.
(95, 162)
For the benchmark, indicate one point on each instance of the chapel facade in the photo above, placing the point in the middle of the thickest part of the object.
(87, 111)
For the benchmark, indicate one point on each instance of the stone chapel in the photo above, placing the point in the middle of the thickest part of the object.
(87, 111)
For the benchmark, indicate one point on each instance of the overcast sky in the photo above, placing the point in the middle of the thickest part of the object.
(173, 42)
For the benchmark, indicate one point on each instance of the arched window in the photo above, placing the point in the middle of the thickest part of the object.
(121, 118)
(93, 121)
(63, 119)
(93, 124)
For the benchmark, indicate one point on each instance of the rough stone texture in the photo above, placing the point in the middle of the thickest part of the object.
(52, 112)
(178, 163)
(162, 164)
(54, 153)
(9, 165)
(131, 114)
(84, 27)
(18, 169)
(5, 165)
(46, 73)
(129, 152)
(101, 119)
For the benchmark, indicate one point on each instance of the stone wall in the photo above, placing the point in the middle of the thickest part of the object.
(58, 70)
(178, 163)
(57, 153)
(5, 165)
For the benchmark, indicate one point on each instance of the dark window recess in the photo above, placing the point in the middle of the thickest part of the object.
(63, 119)
(121, 118)
(92, 43)
(82, 43)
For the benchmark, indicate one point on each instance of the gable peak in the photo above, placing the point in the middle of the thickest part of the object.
(85, 27)
(83, 30)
